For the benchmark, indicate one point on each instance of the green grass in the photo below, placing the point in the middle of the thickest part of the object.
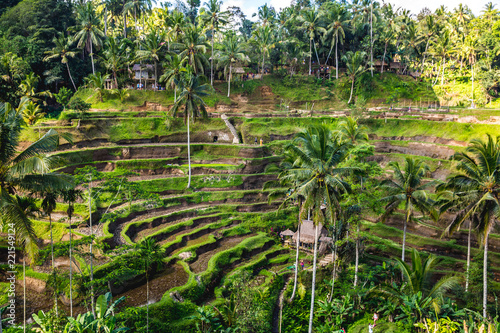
(42, 230)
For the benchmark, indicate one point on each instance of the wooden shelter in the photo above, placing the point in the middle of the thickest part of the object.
(307, 233)
(377, 65)
(396, 67)
(143, 74)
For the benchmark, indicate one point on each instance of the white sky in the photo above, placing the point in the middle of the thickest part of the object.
(250, 6)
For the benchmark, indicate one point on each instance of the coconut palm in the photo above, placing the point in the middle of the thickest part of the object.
(478, 183)
(310, 19)
(97, 82)
(191, 97)
(339, 22)
(349, 130)
(32, 113)
(173, 72)
(70, 196)
(317, 174)
(192, 48)
(418, 286)
(441, 48)
(88, 35)
(28, 88)
(63, 50)
(231, 51)
(48, 206)
(152, 49)
(407, 187)
(355, 65)
(115, 56)
(430, 32)
(213, 18)
(150, 254)
(27, 171)
(263, 39)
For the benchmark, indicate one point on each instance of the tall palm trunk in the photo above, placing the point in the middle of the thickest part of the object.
(70, 271)
(24, 296)
(311, 313)
(310, 55)
(383, 58)
(472, 70)
(92, 57)
(105, 21)
(336, 58)
(229, 80)
(404, 234)
(125, 25)
(91, 253)
(296, 259)
(485, 275)
(442, 75)
(189, 154)
(263, 64)
(356, 262)
(156, 74)
(53, 263)
(212, 61)
(371, 35)
(468, 259)
(147, 301)
(70, 77)
(352, 89)
(423, 58)
(116, 79)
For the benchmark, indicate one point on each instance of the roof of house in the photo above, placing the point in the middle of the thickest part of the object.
(396, 65)
(379, 63)
(137, 67)
(238, 70)
(307, 231)
(287, 232)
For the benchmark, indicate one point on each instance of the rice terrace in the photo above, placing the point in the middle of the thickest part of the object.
(188, 166)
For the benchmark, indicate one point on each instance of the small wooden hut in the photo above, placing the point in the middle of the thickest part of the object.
(307, 233)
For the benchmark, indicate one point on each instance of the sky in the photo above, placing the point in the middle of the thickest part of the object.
(250, 6)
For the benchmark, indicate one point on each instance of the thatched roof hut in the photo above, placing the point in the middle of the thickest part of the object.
(307, 232)
(287, 232)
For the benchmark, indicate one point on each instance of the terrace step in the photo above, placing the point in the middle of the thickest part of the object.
(326, 260)
(236, 137)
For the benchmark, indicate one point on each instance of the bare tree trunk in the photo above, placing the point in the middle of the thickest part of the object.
(212, 61)
(229, 80)
(356, 262)
(70, 77)
(24, 296)
(336, 58)
(92, 57)
(189, 154)
(92, 308)
(53, 263)
(371, 36)
(310, 55)
(485, 276)
(383, 59)
(311, 313)
(263, 64)
(472, 70)
(147, 302)
(105, 21)
(404, 236)
(468, 260)
(352, 88)
(296, 259)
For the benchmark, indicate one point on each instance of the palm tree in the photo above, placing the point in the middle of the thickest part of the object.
(230, 52)
(191, 97)
(349, 130)
(266, 15)
(213, 18)
(263, 39)
(97, 82)
(336, 28)
(27, 171)
(317, 174)
(407, 187)
(192, 48)
(173, 73)
(88, 33)
(70, 196)
(177, 23)
(28, 88)
(137, 8)
(150, 253)
(478, 183)
(364, 14)
(431, 29)
(32, 113)
(63, 50)
(152, 44)
(417, 280)
(355, 64)
(48, 205)
(115, 56)
(441, 48)
(310, 19)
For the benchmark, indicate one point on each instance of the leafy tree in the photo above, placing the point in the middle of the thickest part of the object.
(80, 107)
(407, 188)
(264, 40)
(213, 18)
(152, 44)
(28, 171)
(191, 98)
(88, 35)
(318, 176)
(173, 73)
(28, 88)
(63, 50)
(116, 56)
(355, 65)
(231, 51)
(478, 185)
(98, 82)
(63, 97)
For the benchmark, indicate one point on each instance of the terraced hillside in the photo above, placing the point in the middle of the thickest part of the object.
(224, 223)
